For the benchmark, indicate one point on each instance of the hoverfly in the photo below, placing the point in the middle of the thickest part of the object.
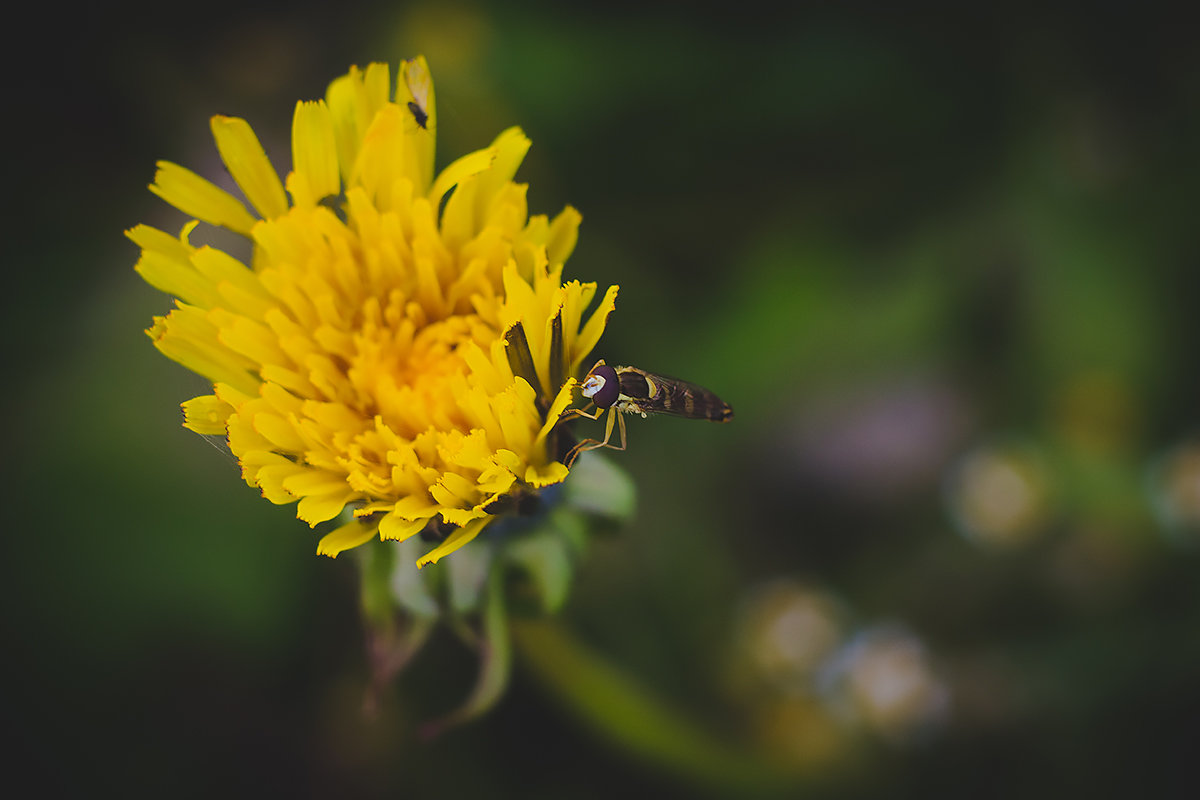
(416, 78)
(629, 390)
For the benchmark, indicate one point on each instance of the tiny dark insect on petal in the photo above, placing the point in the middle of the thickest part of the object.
(418, 113)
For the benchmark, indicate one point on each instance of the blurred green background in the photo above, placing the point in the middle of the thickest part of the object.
(941, 260)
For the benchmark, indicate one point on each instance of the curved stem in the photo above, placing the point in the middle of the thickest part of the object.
(495, 662)
(630, 716)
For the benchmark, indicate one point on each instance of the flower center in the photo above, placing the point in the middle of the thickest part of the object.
(411, 374)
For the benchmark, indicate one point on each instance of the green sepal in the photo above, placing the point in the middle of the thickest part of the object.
(546, 558)
(599, 488)
(467, 576)
(414, 590)
(376, 561)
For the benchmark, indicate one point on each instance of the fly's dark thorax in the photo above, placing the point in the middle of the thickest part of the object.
(634, 384)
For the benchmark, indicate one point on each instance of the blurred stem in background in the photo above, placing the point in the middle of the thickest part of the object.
(619, 708)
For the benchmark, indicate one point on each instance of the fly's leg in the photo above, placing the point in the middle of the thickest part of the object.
(614, 416)
(573, 413)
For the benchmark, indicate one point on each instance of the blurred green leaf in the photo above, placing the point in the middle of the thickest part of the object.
(543, 558)
(599, 487)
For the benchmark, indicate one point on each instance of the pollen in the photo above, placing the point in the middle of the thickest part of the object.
(397, 349)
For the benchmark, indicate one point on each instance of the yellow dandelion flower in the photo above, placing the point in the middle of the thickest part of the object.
(401, 343)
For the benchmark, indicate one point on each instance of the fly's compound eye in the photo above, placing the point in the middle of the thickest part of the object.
(602, 386)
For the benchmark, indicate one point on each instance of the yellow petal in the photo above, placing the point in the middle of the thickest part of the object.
(315, 481)
(496, 482)
(590, 335)
(460, 489)
(206, 415)
(377, 83)
(349, 536)
(393, 528)
(460, 170)
(217, 266)
(239, 288)
(564, 232)
(349, 120)
(561, 401)
(509, 460)
(279, 432)
(415, 507)
(200, 198)
(459, 222)
(474, 453)
(381, 161)
(416, 86)
(180, 340)
(249, 166)
(445, 498)
(462, 516)
(314, 149)
(317, 508)
(177, 278)
(454, 541)
(230, 395)
(253, 340)
(153, 239)
(511, 147)
(270, 476)
(368, 509)
(553, 472)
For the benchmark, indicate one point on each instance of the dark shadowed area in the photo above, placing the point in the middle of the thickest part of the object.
(942, 261)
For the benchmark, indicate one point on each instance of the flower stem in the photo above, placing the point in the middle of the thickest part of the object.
(631, 717)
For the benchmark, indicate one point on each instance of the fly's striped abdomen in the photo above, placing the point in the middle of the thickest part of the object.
(656, 394)
(694, 402)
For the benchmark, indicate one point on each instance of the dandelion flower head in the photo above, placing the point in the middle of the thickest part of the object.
(401, 343)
